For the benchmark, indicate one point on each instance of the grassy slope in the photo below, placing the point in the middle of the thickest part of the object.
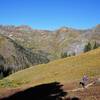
(64, 70)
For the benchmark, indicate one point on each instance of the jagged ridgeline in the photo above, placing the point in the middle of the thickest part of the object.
(14, 57)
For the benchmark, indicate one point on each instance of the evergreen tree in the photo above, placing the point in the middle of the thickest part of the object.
(87, 47)
(1, 71)
(95, 45)
(64, 55)
(1, 75)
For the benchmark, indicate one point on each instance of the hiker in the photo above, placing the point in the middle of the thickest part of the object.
(84, 81)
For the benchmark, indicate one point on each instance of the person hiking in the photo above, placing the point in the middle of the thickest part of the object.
(84, 81)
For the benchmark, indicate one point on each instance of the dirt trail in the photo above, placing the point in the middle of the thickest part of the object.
(90, 92)
(77, 89)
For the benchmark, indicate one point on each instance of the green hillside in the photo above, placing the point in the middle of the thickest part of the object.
(64, 70)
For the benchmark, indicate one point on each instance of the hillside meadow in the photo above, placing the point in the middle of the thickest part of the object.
(63, 70)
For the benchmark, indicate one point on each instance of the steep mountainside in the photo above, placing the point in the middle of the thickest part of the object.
(52, 43)
(14, 57)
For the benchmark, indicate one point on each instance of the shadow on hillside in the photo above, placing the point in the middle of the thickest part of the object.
(50, 91)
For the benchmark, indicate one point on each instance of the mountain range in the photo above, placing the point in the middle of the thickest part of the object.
(52, 43)
(22, 46)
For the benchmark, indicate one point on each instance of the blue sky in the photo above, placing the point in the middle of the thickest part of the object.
(50, 14)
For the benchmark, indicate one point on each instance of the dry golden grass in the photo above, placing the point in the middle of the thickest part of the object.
(63, 70)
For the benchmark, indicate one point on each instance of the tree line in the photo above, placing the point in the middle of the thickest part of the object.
(89, 46)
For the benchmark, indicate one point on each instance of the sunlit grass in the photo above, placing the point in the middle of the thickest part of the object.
(63, 70)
